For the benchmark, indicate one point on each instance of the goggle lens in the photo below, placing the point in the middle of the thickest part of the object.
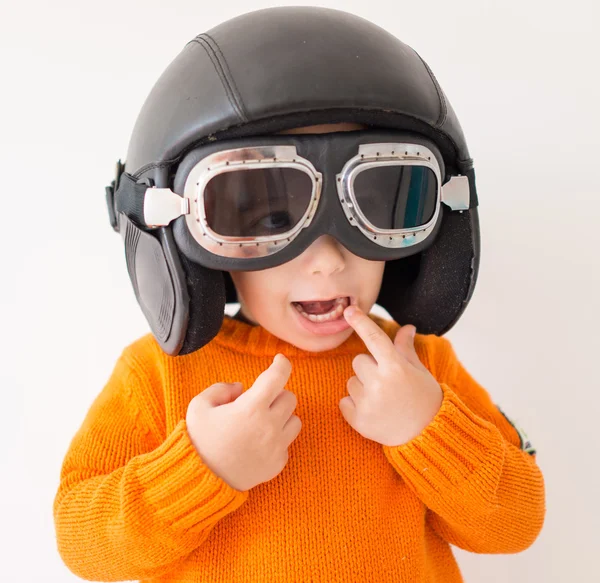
(256, 202)
(396, 197)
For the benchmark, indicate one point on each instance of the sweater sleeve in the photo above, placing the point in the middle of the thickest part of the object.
(482, 487)
(130, 506)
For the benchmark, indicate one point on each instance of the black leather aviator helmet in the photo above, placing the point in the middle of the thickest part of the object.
(256, 75)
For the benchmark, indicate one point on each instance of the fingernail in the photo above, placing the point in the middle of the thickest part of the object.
(350, 311)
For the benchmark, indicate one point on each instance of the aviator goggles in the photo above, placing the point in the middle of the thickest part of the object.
(245, 201)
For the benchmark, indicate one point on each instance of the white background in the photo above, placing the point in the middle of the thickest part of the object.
(523, 80)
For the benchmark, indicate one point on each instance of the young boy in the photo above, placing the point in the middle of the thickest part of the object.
(305, 439)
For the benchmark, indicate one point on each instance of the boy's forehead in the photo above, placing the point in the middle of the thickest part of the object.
(326, 128)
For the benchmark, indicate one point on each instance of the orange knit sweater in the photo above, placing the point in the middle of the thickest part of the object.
(136, 501)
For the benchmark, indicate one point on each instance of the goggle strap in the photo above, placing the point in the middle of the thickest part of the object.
(129, 199)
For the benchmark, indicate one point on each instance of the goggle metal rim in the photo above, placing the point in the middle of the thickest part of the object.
(229, 160)
(387, 154)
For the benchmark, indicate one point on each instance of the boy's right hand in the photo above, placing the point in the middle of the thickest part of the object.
(243, 437)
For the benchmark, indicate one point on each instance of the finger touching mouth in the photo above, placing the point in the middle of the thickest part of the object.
(323, 316)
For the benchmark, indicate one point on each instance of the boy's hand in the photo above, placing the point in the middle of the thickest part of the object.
(393, 396)
(243, 437)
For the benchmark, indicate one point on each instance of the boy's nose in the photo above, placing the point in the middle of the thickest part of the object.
(324, 256)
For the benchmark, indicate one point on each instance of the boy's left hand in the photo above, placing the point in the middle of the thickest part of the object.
(393, 396)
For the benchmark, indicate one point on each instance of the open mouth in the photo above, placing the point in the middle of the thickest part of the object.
(323, 310)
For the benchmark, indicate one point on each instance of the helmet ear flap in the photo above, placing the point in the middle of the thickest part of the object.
(164, 301)
(163, 281)
(206, 289)
(431, 289)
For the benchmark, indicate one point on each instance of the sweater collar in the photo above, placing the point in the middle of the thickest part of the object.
(240, 336)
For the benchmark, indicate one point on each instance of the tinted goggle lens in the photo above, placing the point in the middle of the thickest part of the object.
(396, 197)
(258, 202)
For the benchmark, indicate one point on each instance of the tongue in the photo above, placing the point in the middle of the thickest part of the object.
(317, 307)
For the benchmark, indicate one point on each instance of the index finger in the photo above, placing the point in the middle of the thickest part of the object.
(269, 383)
(376, 340)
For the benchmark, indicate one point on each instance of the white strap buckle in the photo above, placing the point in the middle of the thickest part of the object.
(456, 193)
(162, 205)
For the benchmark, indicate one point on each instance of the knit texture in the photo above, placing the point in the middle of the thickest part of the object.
(136, 501)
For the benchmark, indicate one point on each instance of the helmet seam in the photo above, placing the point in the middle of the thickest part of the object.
(220, 64)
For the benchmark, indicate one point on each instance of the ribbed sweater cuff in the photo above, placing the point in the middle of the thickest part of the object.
(457, 459)
(184, 492)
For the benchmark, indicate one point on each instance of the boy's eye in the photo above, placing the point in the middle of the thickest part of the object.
(277, 220)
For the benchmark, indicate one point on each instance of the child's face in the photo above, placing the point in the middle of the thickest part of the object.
(325, 270)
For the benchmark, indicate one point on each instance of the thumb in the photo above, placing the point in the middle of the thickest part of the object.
(222, 393)
(405, 336)
(404, 342)
(348, 410)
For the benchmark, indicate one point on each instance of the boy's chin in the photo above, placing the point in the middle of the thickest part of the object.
(320, 343)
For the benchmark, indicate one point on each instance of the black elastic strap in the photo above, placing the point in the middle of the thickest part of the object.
(129, 199)
(473, 201)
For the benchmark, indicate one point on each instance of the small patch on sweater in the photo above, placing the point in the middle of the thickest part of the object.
(526, 444)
